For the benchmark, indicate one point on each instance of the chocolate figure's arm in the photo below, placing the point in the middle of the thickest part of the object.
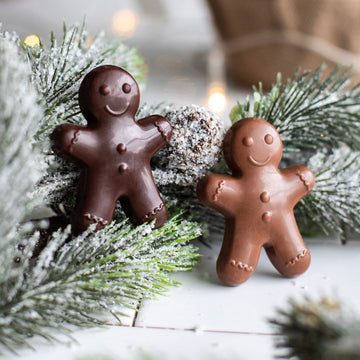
(300, 180)
(218, 192)
(73, 142)
(157, 131)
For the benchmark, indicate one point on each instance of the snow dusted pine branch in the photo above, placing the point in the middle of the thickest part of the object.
(317, 329)
(334, 203)
(19, 161)
(310, 111)
(68, 281)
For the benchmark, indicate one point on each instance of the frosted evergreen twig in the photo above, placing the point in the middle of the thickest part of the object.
(21, 166)
(317, 330)
(308, 111)
(334, 203)
(73, 281)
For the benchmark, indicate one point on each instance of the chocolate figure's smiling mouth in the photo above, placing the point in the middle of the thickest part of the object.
(259, 163)
(114, 112)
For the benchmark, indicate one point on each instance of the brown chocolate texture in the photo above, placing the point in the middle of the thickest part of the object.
(113, 151)
(257, 202)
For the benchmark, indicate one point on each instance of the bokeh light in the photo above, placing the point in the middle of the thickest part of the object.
(217, 97)
(124, 23)
(32, 40)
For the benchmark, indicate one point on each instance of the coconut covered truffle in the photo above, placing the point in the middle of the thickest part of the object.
(194, 148)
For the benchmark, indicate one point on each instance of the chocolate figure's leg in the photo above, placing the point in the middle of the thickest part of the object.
(95, 204)
(144, 203)
(288, 253)
(239, 255)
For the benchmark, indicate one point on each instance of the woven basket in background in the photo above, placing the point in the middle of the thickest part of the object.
(263, 37)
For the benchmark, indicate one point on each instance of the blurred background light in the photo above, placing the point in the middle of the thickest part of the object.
(32, 40)
(217, 100)
(124, 23)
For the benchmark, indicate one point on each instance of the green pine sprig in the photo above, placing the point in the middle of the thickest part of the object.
(73, 281)
(334, 203)
(321, 329)
(310, 111)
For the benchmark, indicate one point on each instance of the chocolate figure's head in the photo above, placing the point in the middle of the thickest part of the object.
(250, 144)
(108, 92)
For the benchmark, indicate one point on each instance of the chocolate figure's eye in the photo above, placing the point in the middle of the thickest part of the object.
(248, 140)
(126, 88)
(104, 90)
(268, 139)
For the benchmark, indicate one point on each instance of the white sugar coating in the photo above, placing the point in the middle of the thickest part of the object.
(20, 164)
(195, 146)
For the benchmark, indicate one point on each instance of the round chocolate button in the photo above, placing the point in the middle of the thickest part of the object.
(266, 216)
(123, 167)
(121, 148)
(265, 197)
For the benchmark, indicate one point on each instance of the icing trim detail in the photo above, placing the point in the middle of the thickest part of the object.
(257, 162)
(96, 219)
(114, 112)
(219, 189)
(241, 266)
(162, 131)
(74, 140)
(299, 256)
(153, 213)
(303, 179)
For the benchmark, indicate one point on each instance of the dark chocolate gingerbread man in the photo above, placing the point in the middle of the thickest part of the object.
(114, 151)
(257, 202)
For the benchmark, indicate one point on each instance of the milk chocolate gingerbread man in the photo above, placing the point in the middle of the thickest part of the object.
(114, 151)
(257, 202)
